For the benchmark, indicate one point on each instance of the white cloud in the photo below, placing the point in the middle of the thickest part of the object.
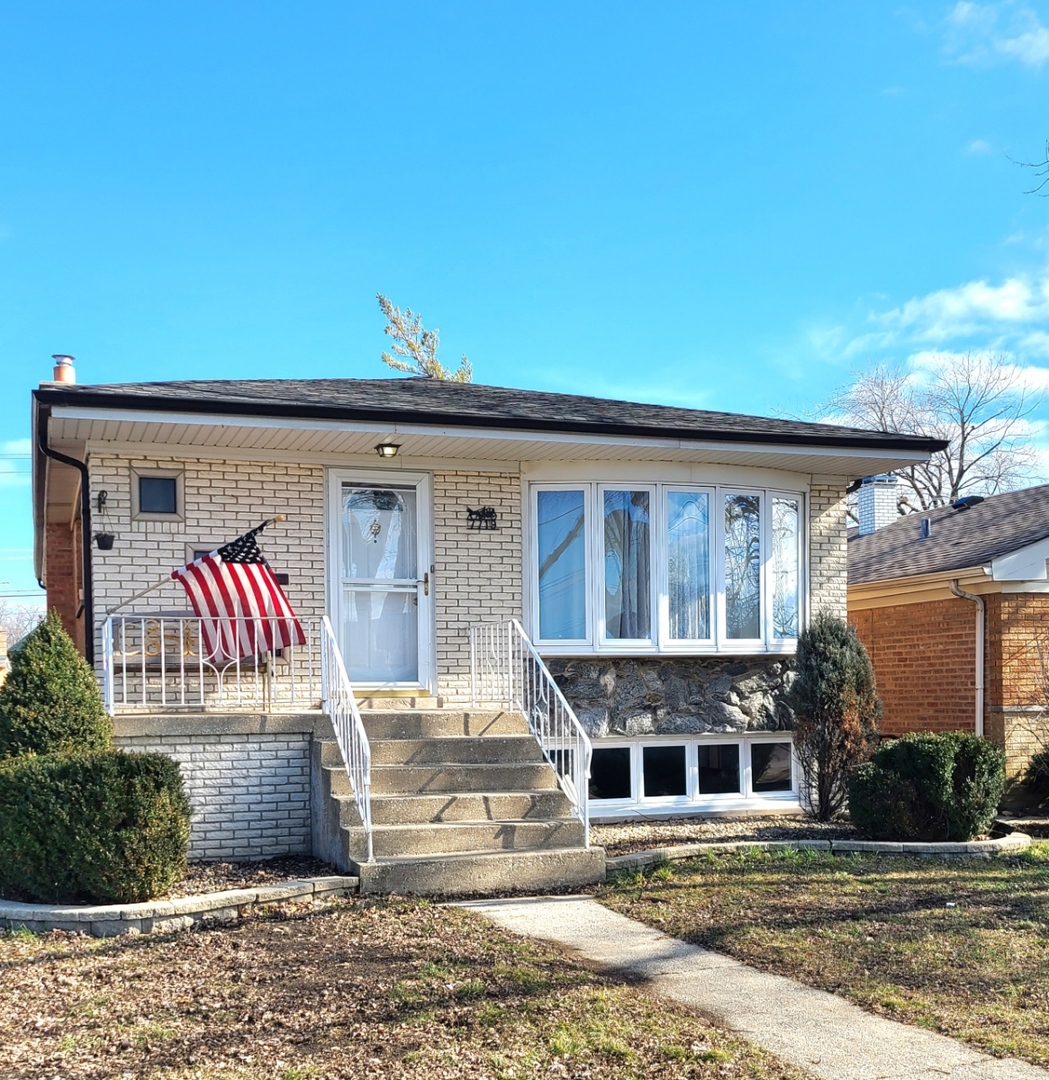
(985, 34)
(976, 307)
(978, 146)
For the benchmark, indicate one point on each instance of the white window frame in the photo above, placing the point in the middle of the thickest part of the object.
(624, 645)
(663, 558)
(588, 561)
(696, 801)
(662, 644)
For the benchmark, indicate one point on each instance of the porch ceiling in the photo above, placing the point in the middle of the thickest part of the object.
(72, 427)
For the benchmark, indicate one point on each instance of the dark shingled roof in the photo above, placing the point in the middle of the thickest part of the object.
(428, 401)
(958, 539)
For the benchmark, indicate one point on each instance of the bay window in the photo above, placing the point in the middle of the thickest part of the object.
(648, 568)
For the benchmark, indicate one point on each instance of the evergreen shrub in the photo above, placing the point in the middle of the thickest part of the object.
(928, 786)
(96, 827)
(50, 702)
(836, 710)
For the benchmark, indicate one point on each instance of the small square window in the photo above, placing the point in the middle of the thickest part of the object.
(719, 769)
(610, 773)
(770, 767)
(664, 771)
(157, 495)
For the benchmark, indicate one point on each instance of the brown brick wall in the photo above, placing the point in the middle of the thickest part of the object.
(63, 576)
(1018, 649)
(924, 663)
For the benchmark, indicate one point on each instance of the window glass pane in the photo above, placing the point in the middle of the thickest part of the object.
(627, 591)
(378, 533)
(561, 519)
(610, 773)
(718, 769)
(785, 568)
(663, 768)
(770, 767)
(743, 566)
(157, 495)
(688, 564)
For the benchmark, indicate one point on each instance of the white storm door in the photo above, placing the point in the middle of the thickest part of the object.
(383, 580)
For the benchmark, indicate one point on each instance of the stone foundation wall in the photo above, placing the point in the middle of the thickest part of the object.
(676, 695)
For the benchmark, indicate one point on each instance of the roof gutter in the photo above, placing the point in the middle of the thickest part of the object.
(85, 531)
(981, 620)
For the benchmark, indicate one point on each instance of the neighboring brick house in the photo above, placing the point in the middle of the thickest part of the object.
(660, 559)
(953, 607)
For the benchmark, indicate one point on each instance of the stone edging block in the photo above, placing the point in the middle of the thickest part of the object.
(1004, 845)
(163, 916)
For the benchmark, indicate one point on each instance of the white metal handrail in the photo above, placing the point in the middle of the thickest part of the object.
(506, 670)
(339, 702)
(171, 660)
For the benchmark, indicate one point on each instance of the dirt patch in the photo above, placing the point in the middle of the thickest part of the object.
(358, 989)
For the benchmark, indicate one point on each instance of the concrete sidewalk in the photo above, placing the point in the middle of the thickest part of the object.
(809, 1028)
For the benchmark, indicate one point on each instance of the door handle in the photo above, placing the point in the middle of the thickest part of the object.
(424, 581)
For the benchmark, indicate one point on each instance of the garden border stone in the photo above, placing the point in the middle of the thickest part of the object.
(165, 916)
(974, 849)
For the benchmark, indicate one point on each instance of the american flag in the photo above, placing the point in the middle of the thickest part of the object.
(242, 609)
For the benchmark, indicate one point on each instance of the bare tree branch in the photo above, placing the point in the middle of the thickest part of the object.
(18, 620)
(417, 346)
(974, 402)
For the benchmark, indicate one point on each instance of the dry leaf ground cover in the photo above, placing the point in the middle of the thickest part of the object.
(356, 989)
(959, 946)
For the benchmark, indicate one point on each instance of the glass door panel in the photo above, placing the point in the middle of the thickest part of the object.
(379, 565)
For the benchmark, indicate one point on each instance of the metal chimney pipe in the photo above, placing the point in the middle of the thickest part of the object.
(64, 370)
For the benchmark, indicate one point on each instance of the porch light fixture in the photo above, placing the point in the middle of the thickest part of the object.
(387, 449)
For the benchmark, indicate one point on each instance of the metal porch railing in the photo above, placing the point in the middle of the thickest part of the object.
(506, 670)
(157, 661)
(339, 702)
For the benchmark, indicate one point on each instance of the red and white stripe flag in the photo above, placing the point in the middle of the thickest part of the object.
(243, 611)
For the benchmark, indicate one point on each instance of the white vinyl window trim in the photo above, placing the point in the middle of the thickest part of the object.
(638, 802)
(717, 641)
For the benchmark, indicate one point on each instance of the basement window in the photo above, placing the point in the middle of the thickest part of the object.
(157, 494)
(694, 774)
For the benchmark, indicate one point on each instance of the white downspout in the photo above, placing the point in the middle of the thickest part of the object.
(981, 610)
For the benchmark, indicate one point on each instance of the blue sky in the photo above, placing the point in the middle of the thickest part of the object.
(719, 205)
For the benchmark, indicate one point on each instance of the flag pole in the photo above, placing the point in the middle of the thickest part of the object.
(165, 580)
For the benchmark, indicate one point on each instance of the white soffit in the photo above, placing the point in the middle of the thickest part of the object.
(72, 427)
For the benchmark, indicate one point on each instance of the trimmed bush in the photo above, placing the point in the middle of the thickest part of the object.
(50, 702)
(96, 827)
(836, 710)
(928, 786)
(1035, 785)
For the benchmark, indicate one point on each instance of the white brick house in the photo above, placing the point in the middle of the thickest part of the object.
(660, 560)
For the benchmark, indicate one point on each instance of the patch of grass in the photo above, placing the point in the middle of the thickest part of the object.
(365, 988)
(959, 946)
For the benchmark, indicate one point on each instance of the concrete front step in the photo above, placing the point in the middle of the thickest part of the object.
(458, 779)
(492, 750)
(481, 806)
(440, 723)
(471, 836)
(484, 873)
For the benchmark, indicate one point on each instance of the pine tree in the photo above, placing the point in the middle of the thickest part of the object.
(836, 709)
(50, 702)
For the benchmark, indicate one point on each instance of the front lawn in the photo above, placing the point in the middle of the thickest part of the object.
(960, 946)
(363, 989)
